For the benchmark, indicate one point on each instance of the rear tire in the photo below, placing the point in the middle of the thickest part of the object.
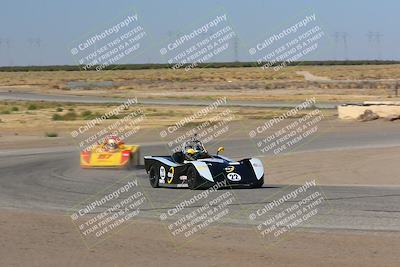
(129, 165)
(153, 176)
(193, 178)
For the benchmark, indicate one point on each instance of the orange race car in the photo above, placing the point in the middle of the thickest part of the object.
(112, 153)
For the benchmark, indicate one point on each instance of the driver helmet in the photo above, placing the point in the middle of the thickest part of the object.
(112, 142)
(194, 146)
(198, 146)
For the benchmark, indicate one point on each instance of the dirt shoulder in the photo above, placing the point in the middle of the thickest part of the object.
(38, 239)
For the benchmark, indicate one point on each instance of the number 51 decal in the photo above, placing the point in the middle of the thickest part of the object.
(104, 156)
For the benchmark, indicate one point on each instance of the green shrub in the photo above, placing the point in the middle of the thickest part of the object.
(5, 112)
(14, 109)
(57, 117)
(114, 117)
(70, 116)
(88, 115)
(32, 107)
(59, 109)
(51, 134)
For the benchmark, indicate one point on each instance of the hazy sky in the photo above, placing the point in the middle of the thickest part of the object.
(42, 32)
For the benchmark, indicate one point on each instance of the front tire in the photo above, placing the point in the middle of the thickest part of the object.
(258, 184)
(193, 178)
(153, 176)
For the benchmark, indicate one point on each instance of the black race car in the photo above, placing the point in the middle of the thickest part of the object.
(193, 167)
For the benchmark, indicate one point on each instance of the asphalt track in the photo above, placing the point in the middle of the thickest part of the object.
(51, 180)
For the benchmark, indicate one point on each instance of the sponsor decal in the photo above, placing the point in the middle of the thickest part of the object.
(234, 177)
(183, 178)
(162, 172)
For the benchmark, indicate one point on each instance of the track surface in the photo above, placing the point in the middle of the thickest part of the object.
(50, 179)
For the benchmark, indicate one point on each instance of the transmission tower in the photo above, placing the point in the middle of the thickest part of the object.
(9, 45)
(378, 37)
(345, 46)
(336, 37)
(236, 48)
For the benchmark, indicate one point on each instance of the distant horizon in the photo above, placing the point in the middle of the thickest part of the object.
(45, 31)
(230, 64)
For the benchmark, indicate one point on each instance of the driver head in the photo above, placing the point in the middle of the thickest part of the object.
(112, 143)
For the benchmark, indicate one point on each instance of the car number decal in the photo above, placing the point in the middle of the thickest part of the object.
(230, 168)
(104, 156)
(233, 176)
(170, 175)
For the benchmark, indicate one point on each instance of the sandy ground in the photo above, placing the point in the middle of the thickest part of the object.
(36, 239)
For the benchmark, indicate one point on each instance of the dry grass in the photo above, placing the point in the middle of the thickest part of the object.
(41, 120)
(234, 83)
(203, 75)
(48, 78)
(362, 72)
